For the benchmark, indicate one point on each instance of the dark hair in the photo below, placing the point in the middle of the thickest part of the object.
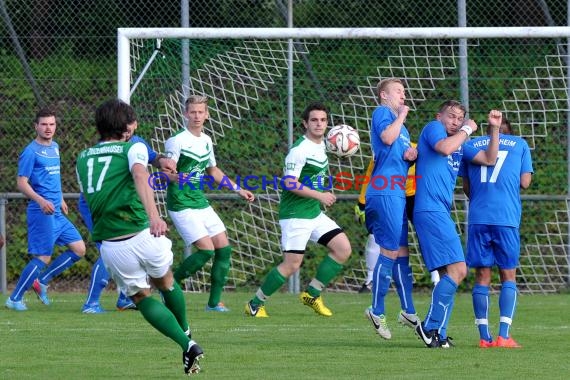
(315, 106)
(451, 104)
(44, 112)
(112, 118)
(506, 127)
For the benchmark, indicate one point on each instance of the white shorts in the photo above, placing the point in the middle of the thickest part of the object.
(195, 224)
(130, 262)
(296, 233)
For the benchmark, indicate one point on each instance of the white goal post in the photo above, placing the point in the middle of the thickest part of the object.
(124, 36)
(242, 69)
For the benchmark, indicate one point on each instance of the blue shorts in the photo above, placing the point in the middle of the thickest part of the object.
(439, 242)
(489, 245)
(386, 219)
(46, 231)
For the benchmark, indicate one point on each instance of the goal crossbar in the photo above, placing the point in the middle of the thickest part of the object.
(124, 35)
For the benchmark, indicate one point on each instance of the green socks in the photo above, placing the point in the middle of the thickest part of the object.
(192, 264)
(328, 269)
(175, 302)
(163, 320)
(219, 274)
(273, 282)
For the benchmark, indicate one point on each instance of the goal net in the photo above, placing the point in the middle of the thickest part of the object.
(247, 81)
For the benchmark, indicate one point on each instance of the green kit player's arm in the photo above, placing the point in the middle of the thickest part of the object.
(293, 185)
(140, 176)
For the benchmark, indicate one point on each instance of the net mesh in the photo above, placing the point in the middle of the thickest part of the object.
(247, 83)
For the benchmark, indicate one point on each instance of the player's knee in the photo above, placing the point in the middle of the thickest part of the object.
(338, 244)
(457, 271)
(78, 248)
(163, 283)
(341, 250)
(507, 275)
(44, 258)
(140, 295)
(461, 273)
(483, 276)
(288, 267)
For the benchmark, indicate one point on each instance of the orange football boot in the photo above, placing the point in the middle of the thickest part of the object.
(483, 343)
(507, 343)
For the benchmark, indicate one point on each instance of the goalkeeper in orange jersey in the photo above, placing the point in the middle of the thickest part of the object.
(371, 249)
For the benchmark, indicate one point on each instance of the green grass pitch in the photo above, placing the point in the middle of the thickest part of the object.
(58, 342)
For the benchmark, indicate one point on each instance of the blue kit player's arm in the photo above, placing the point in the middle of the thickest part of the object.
(155, 159)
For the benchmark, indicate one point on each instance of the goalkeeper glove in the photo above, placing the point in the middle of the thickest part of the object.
(359, 214)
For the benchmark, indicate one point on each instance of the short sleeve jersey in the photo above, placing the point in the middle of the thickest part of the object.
(105, 179)
(308, 162)
(85, 213)
(435, 173)
(410, 181)
(390, 169)
(495, 190)
(193, 155)
(151, 152)
(41, 165)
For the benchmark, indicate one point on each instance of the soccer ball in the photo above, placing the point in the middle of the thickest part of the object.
(342, 140)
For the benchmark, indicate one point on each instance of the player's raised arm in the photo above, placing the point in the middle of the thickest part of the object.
(458, 131)
(392, 94)
(489, 156)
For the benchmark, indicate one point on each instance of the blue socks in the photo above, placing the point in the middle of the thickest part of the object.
(61, 263)
(480, 295)
(27, 278)
(441, 304)
(402, 274)
(99, 280)
(507, 306)
(382, 278)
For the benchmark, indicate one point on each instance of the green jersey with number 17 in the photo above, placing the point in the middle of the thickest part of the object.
(307, 161)
(104, 175)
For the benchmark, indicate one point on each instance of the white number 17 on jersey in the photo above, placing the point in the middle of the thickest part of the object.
(501, 157)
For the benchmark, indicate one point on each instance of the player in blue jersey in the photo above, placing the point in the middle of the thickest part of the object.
(493, 236)
(441, 147)
(39, 179)
(386, 204)
(99, 275)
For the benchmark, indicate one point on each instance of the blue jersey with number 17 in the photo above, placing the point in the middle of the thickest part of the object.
(495, 190)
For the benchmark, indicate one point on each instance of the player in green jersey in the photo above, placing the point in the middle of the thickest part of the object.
(114, 179)
(194, 218)
(301, 218)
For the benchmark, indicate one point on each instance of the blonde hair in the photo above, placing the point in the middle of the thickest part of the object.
(384, 83)
(196, 99)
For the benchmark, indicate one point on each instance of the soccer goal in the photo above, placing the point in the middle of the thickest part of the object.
(256, 76)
